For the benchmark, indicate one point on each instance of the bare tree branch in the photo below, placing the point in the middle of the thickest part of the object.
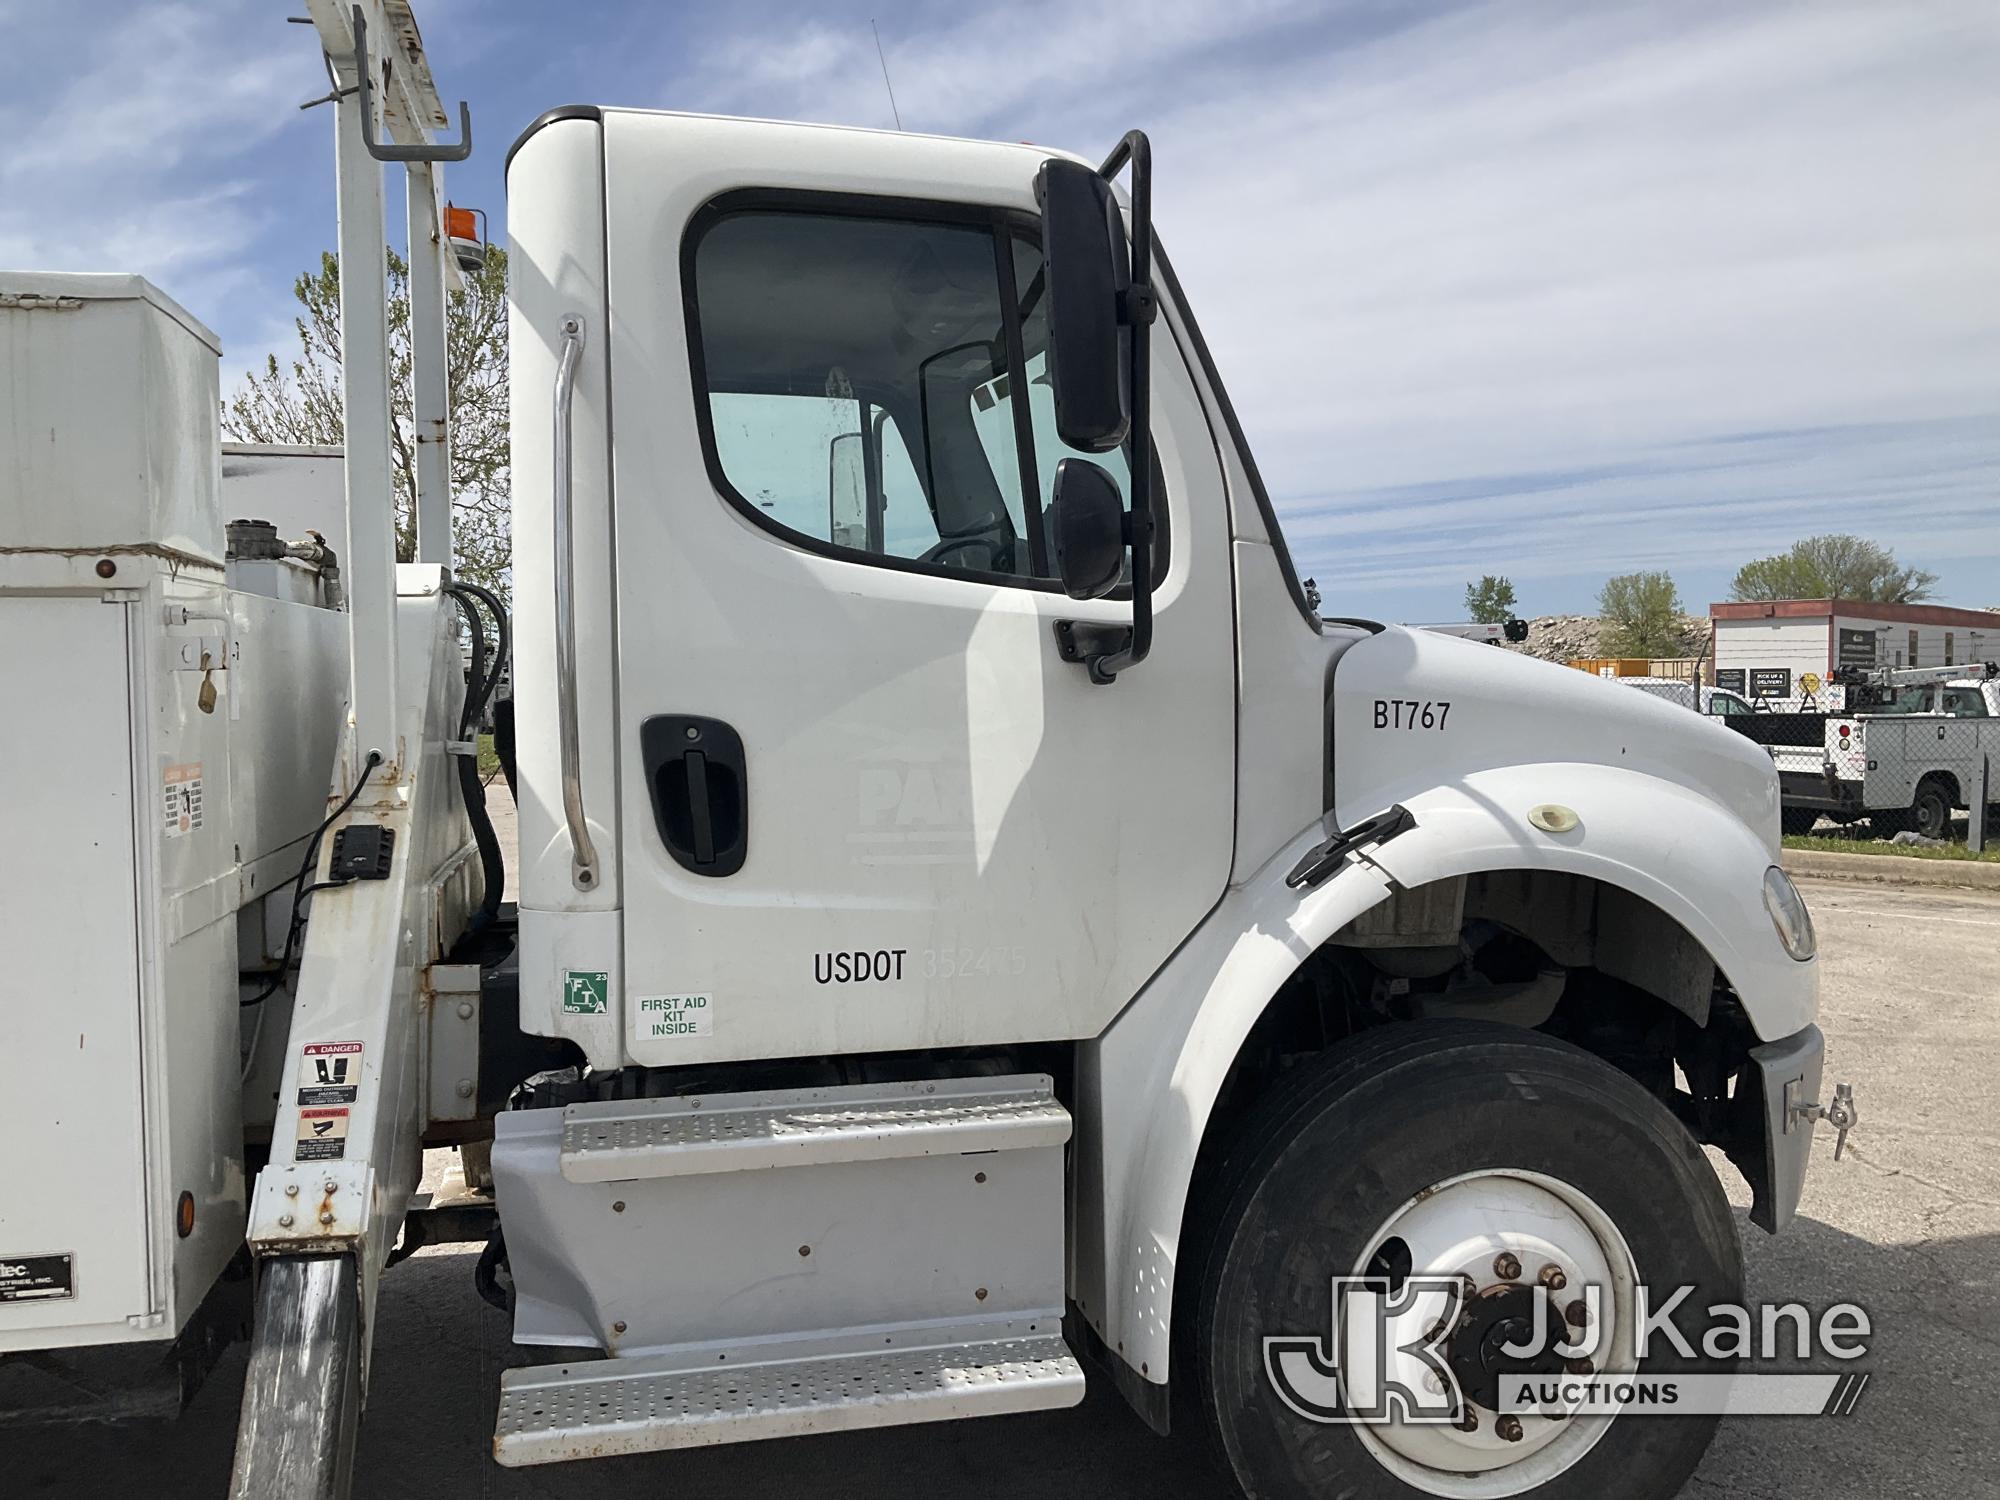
(301, 404)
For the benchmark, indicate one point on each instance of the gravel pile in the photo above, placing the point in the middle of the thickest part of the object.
(1567, 637)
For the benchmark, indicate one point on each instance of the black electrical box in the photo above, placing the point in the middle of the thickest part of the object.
(362, 851)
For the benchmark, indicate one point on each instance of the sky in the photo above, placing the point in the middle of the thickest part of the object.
(1550, 291)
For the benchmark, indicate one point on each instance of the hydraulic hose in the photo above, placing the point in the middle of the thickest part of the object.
(485, 678)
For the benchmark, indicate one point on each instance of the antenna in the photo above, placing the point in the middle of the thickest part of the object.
(885, 72)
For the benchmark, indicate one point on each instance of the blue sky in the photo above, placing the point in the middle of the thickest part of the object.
(1555, 291)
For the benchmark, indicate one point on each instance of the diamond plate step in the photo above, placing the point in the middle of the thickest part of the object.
(550, 1413)
(621, 1140)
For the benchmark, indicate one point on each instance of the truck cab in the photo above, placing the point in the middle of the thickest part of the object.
(865, 772)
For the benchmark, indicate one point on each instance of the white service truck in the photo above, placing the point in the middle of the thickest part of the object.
(973, 913)
(1913, 746)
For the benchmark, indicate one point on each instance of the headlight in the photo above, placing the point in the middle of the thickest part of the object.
(1789, 915)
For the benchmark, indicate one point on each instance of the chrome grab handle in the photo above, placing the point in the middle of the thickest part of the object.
(583, 853)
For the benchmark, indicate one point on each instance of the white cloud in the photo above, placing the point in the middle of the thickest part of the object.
(1510, 238)
(142, 155)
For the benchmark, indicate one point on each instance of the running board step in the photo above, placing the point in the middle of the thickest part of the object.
(550, 1413)
(687, 1136)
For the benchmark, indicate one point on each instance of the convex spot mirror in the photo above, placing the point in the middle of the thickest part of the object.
(1089, 271)
(1087, 523)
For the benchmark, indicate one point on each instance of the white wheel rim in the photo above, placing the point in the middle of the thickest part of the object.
(1462, 1227)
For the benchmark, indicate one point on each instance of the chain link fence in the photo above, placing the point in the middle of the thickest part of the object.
(1909, 762)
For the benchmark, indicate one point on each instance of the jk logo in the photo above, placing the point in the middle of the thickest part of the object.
(1381, 1361)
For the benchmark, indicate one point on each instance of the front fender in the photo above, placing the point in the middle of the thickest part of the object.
(1148, 1085)
(1664, 842)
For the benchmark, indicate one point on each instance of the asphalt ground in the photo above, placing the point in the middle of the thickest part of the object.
(1908, 1226)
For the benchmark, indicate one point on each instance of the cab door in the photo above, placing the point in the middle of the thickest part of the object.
(865, 803)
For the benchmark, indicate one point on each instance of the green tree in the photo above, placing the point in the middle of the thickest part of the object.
(300, 403)
(1835, 566)
(1489, 601)
(1641, 614)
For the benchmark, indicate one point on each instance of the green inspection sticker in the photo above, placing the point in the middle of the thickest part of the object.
(586, 992)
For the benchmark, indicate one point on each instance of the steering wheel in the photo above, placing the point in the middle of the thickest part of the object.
(946, 547)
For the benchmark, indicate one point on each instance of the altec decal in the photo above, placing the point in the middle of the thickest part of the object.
(36, 1278)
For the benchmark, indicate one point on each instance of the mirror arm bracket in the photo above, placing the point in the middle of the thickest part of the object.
(1138, 305)
(1091, 644)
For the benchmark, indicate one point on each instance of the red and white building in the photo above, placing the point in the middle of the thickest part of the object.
(1783, 652)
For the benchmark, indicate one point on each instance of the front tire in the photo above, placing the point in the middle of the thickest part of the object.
(1406, 1126)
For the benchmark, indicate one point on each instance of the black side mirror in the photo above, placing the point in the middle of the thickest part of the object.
(1089, 273)
(1087, 525)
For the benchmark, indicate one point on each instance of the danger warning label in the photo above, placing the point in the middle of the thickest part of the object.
(322, 1135)
(329, 1073)
(180, 798)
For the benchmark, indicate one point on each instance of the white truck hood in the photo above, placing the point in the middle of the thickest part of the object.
(1414, 710)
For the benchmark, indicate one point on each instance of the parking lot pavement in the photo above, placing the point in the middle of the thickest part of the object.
(1908, 1226)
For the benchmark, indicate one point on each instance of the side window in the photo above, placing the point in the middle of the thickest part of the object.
(857, 375)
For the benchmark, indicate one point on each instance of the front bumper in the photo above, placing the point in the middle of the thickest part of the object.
(1789, 1070)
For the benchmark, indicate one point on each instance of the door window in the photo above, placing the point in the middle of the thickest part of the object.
(857, 377)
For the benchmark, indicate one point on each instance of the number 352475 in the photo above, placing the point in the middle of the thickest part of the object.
(1411, 713)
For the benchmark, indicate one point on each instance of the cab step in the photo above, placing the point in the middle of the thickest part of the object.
(768, 1263)
(689, 1135)
(643, 1404)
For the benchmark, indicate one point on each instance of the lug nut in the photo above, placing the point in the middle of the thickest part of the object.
(284, 1221)
(1578, 1312)
(1508, 1429)
(1507, 1266)
(1552, 1277)
(326, 1217)
(1579, 1367)
(332, 1187)
(1468, 1421)
(291, 1190)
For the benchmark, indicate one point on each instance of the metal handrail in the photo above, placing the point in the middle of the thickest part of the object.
(583, 853)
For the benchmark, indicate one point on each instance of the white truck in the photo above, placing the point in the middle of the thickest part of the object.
(1914, 746)
(997, 923)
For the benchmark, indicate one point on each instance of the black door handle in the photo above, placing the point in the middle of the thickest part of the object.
(700, 789)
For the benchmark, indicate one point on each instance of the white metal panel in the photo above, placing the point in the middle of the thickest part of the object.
(296, 489)
(287, 703)
(73, 1179)
(1795, 646)
(120, 388)
(925, 775)
(755, 1247)
(555, 267)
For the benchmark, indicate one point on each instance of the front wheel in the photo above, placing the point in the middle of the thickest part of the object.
(1502, 1159)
